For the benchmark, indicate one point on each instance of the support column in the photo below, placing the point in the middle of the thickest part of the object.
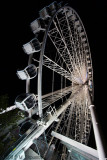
(97, 133)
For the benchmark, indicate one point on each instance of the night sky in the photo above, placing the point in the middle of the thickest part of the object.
(15, 31)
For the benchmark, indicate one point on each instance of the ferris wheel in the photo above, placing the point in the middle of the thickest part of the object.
(60, 63)
(64, 55)
(64, 65)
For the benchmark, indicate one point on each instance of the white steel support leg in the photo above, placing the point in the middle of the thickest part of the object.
(97, 134)
(77, 145)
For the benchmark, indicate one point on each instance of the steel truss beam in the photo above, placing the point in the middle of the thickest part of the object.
(52, 97)
(47, 62)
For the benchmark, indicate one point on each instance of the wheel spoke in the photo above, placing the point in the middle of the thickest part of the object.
(52, 97)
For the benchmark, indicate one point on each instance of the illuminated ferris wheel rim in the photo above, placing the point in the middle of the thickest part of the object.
(43, 51)
(84, 76)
